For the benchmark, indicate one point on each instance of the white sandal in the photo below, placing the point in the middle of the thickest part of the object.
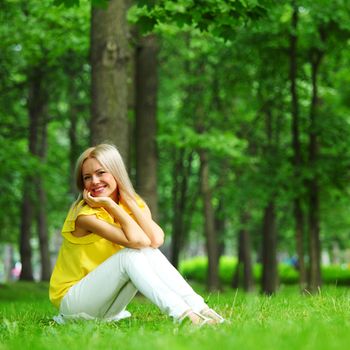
(212, 315)
(201, 320)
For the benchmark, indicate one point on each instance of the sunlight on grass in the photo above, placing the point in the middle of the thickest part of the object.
(285, 321)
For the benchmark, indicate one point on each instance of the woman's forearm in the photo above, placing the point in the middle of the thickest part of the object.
(149, 227)
(132, 230)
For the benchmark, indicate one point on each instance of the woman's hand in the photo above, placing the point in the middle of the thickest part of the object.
(97, 202)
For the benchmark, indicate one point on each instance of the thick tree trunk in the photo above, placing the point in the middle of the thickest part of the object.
(209, 220)
(109, 61)
(314, 206)
(146, 121)
(297, 159)
(269, 260)
(244, 270)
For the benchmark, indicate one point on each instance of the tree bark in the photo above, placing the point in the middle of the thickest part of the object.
(146, 121)
(269, 260)
(209, 220)
(37, 101)
(41, 203)
(269, 244)
(244, 270)
(109, 61)
(181, 175)
(314, 201)
(25, 248)
(34, 198)
(297, 158)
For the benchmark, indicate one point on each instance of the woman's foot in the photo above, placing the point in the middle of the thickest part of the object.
(212, 315)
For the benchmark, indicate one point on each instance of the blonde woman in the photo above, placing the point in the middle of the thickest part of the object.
(110, 251)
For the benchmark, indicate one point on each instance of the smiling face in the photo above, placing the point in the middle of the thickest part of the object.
(97, 180)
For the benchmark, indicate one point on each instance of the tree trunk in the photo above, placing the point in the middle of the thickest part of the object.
(177, 222)
(244, 265)
(8, 259)
(41, 205)
(297, 158)
(181, 175)
(269, 260)
(25, 248)
(73, 147)
(209, 220)
(314, 206)
(34, 198)
(146, 121)
(43, 232)
(37, 101)
(220, 225)
(269, 234)
(109, 61)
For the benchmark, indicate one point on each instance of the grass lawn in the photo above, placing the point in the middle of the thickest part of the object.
(285, 321)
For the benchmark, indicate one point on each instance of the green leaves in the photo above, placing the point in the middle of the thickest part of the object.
(71, 3)
(217, 142)
(219, 17)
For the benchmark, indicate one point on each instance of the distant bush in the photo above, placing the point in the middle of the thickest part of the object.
(196, 269)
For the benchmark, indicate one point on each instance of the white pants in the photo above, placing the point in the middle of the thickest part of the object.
(106, 291)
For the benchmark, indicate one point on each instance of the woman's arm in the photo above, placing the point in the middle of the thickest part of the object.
(145, 221)
(90, 223)
(130, 234)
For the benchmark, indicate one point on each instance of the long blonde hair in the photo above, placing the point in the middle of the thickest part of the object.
(110, 159)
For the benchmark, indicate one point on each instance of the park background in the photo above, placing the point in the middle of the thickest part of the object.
(232, 117)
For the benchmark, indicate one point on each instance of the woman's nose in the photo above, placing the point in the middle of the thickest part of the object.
(95, 179)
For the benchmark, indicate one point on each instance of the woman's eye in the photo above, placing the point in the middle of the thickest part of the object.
(86, 178)
(101, 172)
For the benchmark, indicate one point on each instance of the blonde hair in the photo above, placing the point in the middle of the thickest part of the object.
(110, 159)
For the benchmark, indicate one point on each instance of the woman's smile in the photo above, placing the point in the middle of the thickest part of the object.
(97, 180)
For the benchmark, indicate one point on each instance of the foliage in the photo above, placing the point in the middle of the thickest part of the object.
(222, 64)
(37, 36)
(217, 17)
(195, 269)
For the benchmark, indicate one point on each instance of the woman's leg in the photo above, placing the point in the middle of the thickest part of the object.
(124, 297)
(173, 279)
(101, 289)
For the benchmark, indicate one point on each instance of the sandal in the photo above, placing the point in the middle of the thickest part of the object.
(195, 318)
(213, 316)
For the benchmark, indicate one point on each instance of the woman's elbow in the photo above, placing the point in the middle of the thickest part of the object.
(142, 242)
(158, 241)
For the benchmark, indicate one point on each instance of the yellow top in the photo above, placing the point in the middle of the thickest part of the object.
(80, 255)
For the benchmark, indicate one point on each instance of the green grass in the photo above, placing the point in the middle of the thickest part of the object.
(285, 321)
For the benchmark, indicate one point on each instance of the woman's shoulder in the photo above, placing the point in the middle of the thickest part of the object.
(81, 208)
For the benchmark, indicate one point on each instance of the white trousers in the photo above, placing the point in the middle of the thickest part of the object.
(106, 291)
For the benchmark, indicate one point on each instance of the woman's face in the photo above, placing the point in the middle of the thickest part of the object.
(97, 180)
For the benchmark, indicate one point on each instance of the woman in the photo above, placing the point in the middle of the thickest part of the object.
(110, 250)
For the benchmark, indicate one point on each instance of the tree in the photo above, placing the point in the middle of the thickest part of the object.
(146, 82)
(297, 157)
(109, 61)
